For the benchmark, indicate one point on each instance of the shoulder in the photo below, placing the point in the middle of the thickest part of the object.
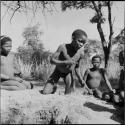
(2, 58)
(87, 71)
(102, 70)
(61, 47)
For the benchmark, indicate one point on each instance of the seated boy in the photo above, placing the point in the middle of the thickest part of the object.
(67, 60)
(10, 80)
(93, 77)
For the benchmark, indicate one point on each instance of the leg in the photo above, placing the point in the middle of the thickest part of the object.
(68, 80)
(50, 86)
(122, 94)
(97, 93)
(13, 83)
(72, 82)
(11, 88)
(106, 96)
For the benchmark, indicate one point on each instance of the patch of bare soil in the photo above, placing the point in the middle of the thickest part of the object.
(29, 106)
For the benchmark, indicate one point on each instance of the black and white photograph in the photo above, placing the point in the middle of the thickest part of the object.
(62, 62)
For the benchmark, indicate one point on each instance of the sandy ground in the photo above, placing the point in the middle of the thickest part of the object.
(29, 106)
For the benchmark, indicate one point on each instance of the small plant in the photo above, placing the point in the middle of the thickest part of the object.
(42, 71)
(26, 69)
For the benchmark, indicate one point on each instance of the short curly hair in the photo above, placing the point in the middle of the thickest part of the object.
(79, 33)
(96, 56)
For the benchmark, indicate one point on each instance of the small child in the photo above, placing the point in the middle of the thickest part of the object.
(10, 80)
(93, 77)
(67, 60)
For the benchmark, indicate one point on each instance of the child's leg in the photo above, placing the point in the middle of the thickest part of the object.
(11, 88)
(107, 96)
(50, 86)
(68, 81)
(122, 94)
(72, 82)
(118, 100)
(13, 83)
(97, 93)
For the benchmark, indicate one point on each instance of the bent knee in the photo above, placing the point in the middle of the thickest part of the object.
(49, 89)
(122, 94)
(27, 84)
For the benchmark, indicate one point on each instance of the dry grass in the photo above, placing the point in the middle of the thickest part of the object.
(44, 70)
(26, 69)
(113, 72)
(36, 72)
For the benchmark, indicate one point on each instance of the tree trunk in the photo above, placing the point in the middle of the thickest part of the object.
(106, 54)
(106, 48)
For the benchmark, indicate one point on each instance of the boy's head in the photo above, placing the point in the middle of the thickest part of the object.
(96, 61)
(6, 45)
(79, 38)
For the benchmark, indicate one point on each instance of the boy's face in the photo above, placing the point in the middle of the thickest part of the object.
(79, 41)
(96, 62)
(6, 48)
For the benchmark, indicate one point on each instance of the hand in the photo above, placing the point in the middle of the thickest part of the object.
(90, 91)
(114, 91)
(17, 79)
(82, 83)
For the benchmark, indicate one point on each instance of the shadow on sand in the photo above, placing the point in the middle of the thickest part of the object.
(116, 115)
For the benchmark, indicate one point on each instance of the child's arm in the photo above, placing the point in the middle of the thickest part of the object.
(107, 81)
(56, 61)
(79, 75)
(86, 75)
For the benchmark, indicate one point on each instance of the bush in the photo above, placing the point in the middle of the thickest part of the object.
(35, 72)
(42, 71)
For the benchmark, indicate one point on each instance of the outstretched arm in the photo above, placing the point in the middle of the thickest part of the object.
(82, 80)
(78, 73)
(79, 76)
(107, 82)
